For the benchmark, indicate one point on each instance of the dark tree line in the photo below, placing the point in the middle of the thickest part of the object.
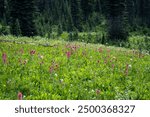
(41, 17)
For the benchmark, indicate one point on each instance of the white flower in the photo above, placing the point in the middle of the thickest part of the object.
(61, 80)
(114, 57)
(41, 57)
(130, 66)
(56, 75)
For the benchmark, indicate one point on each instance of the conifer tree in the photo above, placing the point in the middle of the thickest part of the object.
(131, 11)
(144, 12)
(1, 9)
(117, 29)
(24, 10)
(86, 8)
(76, 14)
(59, 30)
(17, 30)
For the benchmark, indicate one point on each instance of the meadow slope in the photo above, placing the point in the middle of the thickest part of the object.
(52, 69)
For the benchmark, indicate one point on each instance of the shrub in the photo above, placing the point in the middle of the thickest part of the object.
(4, 30)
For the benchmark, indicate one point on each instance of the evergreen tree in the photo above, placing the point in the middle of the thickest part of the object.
(76, 14)
(131, 11)
(16, 28)
(1, 9)
(68, 16)
(59, 30)
(144, 12)
(24, 10)
(70, 24)
(117, 29)
(6, 14)
(83, 15)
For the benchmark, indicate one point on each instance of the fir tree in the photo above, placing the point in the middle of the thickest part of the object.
(76, 14)
(1, 9)
(17, 30)
(24, 10)
(59, 30)
(117, 29)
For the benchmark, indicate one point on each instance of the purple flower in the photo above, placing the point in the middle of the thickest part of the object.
(68, 54)
(4, 57)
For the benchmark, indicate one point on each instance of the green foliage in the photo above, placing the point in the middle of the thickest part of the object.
(88, 37)
(140, 42)
(111, 20)
(64, 36)
(73, 36)
(4, 30)
(89, 72)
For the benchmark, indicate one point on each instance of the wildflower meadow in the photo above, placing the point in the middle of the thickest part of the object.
(59, 70)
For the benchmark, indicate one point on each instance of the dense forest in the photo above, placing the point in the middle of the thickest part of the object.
(116, 18)
(75, 50)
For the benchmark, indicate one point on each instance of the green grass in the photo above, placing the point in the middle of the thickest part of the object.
(91, 72)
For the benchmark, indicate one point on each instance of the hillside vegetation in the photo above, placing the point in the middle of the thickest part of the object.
(56, 69)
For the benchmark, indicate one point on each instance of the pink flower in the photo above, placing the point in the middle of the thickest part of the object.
(74, 48)
(32, 52)
(20, 96)
(68, 54)
(25, 61)
(4, 57)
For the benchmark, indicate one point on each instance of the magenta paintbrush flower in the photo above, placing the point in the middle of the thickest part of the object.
(20, 96)
(68, 54)
(4, 57)
(32, 52)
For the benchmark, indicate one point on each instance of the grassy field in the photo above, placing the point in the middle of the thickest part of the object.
(56, 70)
